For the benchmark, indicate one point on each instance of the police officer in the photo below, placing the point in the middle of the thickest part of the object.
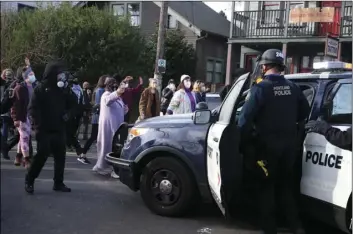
(341, 139)
(274, 108)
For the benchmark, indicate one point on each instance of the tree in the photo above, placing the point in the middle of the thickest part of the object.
(93, 42)
(180, 56)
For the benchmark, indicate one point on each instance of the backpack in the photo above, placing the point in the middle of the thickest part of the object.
(7, 99)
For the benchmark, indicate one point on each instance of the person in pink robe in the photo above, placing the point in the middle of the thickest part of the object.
(112, 111)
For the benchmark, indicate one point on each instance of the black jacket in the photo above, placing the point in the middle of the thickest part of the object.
(341, 139)
(167, 95)
(200, 97)
(50, 106)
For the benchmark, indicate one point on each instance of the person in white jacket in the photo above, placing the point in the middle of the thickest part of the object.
(183, 100)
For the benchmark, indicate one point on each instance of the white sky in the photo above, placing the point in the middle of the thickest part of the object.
(224, 6)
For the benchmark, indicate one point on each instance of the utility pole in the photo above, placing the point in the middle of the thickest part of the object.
(163, 18)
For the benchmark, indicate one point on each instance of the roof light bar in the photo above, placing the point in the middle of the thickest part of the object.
(332, 65)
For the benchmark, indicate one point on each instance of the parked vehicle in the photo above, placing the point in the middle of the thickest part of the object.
(174, 160)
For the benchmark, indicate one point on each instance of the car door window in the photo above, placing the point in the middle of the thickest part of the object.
(341, 111)
(228, 104)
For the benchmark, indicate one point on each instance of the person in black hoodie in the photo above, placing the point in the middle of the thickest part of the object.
(167, 94)
(49, 109)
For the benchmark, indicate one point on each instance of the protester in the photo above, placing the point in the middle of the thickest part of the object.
(76, 98)
(130, 93)
(183, 100)
(149, 105)
(199, 90)
(7, 77)
(112, 111)
(87, 96)
(21, 96)
(97, 94)
(167, 94)
(49, 124)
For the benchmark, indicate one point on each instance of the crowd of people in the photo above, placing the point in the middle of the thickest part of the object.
(54, 107)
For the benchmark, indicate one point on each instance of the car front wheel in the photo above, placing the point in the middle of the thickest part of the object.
(167, 187)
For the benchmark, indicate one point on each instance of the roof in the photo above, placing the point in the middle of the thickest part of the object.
(202, 16)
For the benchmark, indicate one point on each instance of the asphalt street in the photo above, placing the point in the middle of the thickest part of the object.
(96, 205)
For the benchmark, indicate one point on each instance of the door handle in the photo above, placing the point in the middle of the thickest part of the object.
(215, 139)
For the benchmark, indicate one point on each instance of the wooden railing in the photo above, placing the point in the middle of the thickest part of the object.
(271, 24)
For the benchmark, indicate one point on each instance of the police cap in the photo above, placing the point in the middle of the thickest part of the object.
(272, 56)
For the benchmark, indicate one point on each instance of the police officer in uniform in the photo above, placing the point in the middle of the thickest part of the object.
(337, 137)
(274, 108)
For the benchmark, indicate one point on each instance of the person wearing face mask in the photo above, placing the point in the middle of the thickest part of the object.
(87, 96)
(275, 138)
(75, 92)
(199, 91)
(111, 116)
(183, 100)
(149, 105)
(167, 94)
(130, 93)
(49, 109)
(22, 94)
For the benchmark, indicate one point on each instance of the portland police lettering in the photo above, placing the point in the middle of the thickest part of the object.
(282, 90)
(326, 160)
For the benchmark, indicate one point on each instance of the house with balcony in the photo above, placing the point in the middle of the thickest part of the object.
(301, 29)
(204, 28)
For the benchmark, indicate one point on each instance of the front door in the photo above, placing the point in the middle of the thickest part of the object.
(224, 162)
(327, 169)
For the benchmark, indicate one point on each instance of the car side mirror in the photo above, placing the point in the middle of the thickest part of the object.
(201, 106)
(201, 117)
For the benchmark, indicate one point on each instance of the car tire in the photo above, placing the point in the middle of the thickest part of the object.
(182, 193)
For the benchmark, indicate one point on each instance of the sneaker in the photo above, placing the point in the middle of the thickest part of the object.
(18, 160)
(83, 159)
(114, 175)
(61, 188)
(101, 171)
(29, 188)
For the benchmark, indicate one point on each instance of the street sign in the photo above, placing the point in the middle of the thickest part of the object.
(162, 63)
(332, 47)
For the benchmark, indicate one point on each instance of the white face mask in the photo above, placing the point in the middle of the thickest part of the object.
(126, 85)
(187, 84)
(31, 79)
(60, 84)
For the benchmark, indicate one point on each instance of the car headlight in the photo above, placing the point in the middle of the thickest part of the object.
(134, 132)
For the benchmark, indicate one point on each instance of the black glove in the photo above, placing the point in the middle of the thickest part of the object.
(317, 126)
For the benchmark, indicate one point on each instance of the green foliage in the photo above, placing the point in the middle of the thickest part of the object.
(180, 56)
(92, 41)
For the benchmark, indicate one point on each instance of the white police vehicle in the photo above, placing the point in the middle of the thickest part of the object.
(326, 170)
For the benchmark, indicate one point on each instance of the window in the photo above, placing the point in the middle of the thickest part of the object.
(342, 100)
(296, 5)
(172, 22)
(342, 105)
(21, 7)
(134, 13)
(118, 9)
(132, 10)
(214, 71)
(270, 13)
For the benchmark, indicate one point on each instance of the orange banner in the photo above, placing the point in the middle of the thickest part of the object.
(307, 15)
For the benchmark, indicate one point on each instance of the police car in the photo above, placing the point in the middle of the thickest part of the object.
(326, 170)
(177, 160)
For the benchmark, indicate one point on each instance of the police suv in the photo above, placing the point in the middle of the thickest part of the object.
(173, 159)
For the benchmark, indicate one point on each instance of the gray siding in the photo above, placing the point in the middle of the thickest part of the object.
(150, 18)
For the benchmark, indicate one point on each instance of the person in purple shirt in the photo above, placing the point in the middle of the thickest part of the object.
(183, 100)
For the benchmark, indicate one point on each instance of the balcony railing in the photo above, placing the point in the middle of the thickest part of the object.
(271, 24)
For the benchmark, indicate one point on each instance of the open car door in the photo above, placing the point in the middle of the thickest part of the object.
(224, 162)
